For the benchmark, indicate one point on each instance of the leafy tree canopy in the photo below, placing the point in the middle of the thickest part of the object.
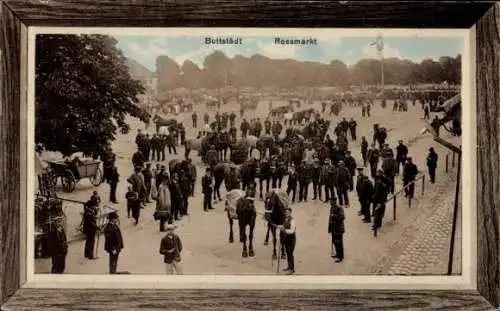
(83, 93)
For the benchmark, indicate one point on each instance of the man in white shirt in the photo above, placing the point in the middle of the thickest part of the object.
(288, 230)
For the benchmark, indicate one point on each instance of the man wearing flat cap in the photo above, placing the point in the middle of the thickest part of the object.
(113, 243)
(171, 248)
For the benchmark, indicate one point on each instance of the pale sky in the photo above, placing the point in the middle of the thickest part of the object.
(145, 49)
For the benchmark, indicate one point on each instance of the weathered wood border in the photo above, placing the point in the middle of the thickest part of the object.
(17, 14)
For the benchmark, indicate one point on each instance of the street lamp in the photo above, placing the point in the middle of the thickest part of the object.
(379, 44)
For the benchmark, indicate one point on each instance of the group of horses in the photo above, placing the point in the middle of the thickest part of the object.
(245, 213)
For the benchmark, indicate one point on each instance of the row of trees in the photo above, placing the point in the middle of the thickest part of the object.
(260, 71)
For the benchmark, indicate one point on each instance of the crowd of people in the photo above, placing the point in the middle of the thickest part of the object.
(327, 164)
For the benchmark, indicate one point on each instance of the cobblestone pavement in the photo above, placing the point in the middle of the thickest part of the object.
(428, 253)
(205, 235)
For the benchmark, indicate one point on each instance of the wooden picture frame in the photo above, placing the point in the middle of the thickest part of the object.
(17, 16)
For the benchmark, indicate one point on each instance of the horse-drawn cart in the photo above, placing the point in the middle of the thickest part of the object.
(71, 172)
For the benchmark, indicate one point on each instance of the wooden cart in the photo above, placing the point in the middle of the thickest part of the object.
(71, 172)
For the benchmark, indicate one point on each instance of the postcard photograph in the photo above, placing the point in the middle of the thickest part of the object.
(207, 153)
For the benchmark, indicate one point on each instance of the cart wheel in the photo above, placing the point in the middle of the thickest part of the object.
(68, 181)
(96, 180)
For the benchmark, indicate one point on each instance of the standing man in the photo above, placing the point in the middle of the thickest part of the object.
(336, 228)
(288, 231)
(206, 184)
(148, 179)
(380, 193)
(184, 185)
(113, 179)
(90, 228)
(401, 154)
(365, 195)
(351, 165)
(373, 156)
(292, 182)
(171, 248)
(352, 128)
(58, 245)
(176, 197)
(113, 242)
(343, 184)
(432, 160)
(194, 117)
(316, 172)
(409, 174)
(304, 174)
(364, 149)
(206, 117)
(192, 176)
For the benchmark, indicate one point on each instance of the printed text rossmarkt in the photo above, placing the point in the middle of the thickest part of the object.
(303, 41)
(235, 40)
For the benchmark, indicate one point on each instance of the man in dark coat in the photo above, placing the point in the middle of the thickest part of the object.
(113, 180)
(162, 144)
(185, 187)
(244, 127)
(432, 160)
(264, 175)
(401, 154)
(328, 178)
(176, 197)
(410, 172)
(171, 248)
(350, 164)
(364, 150)
(352, 128)
(232, 118)
(316, 172)
(380, 193)
(192, 175)
(155, 147)
(146, 147)
(113, 243)
(292, 182)
(305, 174)
(194, 118)
(343, 184)
(373, 156)
(90, 228)
(336, 228)
(365, 195)
(206, 118)
(148, 179)
(206, 186)
(58, 246)
(171, 143)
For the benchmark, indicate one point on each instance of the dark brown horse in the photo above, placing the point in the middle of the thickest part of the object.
(246, 214)
(275, 204)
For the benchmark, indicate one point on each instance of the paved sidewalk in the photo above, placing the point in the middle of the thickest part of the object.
(428, 253)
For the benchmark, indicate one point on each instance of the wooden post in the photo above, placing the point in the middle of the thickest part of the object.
(423, 185)
(394, 207)
(446, 162)
(454, 223)
(453, 160)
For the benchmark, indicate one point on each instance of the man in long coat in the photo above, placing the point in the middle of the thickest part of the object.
(336, 228)
(113, 243)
